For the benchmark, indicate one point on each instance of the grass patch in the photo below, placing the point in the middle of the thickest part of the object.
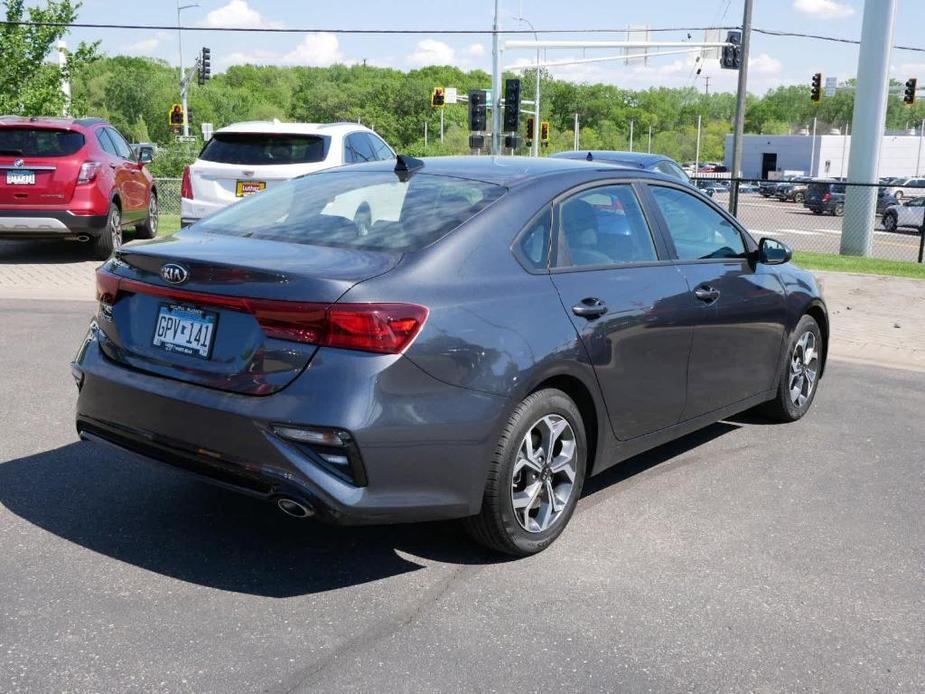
(867, 266)
(169, 224)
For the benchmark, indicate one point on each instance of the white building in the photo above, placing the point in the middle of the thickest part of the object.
(769, 156)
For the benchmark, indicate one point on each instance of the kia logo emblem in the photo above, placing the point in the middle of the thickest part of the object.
(174, 273)
(18, 163)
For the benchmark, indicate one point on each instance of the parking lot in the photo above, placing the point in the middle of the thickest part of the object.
(745, 557)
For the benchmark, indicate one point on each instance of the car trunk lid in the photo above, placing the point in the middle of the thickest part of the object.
(39, 165)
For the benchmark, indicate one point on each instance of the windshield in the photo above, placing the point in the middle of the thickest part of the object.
(255, 149)
(39, 142)
(367, 210)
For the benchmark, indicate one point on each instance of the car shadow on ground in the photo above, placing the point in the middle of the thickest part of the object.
(165, 522)
(45, 252)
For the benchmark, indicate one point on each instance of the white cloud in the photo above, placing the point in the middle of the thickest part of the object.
(476, 50)
(763, 64)
(147, 45)
(823, 9)
(432, 52)
(238, 14)
(319, 49)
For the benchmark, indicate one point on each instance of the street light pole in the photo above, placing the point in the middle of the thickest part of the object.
(739, 131)
(183, 85)
(496, 86)
(535, 147)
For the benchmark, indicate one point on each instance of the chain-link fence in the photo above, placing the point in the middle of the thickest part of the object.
(808, 215)
(168, 195)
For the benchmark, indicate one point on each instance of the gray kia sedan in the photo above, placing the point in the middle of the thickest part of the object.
(463, 337)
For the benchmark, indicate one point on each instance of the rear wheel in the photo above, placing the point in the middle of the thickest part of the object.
(838, 210)
(110, 238)
(889, 221)
(799, 197)
(799, 374)
(148, 230)
(535, 478)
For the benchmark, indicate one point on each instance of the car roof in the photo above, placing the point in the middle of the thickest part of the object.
(638, 159)
(50, 122)
(509, 171)
(278, 127)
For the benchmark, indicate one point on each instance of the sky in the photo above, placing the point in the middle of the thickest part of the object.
(774, 61)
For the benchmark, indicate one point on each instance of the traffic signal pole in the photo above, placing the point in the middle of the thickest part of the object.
(867, 123)
(496, 86)
(738, 132)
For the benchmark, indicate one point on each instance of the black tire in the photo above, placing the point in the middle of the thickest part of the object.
(110, 238)
(799, 197)
(838, 210)
(783, 408)
(889, 221)
(148, 230)
(496, 526)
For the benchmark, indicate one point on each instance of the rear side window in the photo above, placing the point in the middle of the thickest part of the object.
(103, 138)
(367, 210)
(122, 147)
(698, 231)
(256, 149)
(534, 243)
(39, 142)
(604, 226)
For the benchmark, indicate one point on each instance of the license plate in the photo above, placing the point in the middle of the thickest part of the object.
(185, 330)
(245, 188)
(20, 178)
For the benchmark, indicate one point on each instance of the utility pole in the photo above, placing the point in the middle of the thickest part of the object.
(425, 136)
(868, 121)
(650, 140)
(441, 124)
(535, 147)
(496, 86)
(706, 90)
(184, 83)
(632, 123)
(577, 143)
(918, 158)
(697, 155)
(739, 130)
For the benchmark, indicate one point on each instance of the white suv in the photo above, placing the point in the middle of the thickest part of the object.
(246, 158)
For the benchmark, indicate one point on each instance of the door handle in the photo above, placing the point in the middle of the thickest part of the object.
(706, 293)
(590, 308)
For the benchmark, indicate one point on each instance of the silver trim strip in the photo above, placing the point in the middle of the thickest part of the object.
(27, 167)
(33, 224)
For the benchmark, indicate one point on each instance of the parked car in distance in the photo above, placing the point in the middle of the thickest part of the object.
(900, 188)
(73, 179)
(908, 214)
(825, 197)
(246, 158)
(711, 187)
(793, 190)
(503, 329)
(637, 160)
(748, 187)
(769, 188)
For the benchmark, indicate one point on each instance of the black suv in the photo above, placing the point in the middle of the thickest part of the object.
(794, 190)
(825, 197)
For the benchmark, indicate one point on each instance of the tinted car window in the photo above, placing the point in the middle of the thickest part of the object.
(669, 169)
(105, 142)
(534, 244)
(372, 211)
(122, 148)
(39, 142)
(604, 226)
(380, 148)
(358, 149)
(256, 149)
(698, 231)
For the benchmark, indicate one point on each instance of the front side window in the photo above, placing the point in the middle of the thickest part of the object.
(380, 148)
(699, 232)
(358, 149)
(604, 226)
(366, 210)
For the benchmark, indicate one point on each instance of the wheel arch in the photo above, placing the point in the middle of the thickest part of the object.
(817, 311)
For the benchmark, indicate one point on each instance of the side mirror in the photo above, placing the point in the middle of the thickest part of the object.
(145, 154)
(773, 252)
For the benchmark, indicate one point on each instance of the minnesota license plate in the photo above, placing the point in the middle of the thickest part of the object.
(185, 330)
(20, 178)
(245, 188)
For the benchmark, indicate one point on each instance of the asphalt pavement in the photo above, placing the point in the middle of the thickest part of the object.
(745, 557)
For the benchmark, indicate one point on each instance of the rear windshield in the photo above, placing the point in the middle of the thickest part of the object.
(826, 187)
(39, 142)
(371, 211)
(254, 149)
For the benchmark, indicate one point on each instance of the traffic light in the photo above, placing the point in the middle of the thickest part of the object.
(544, 132)
(531, 130)
(205, 65)
(511, 105)
(909, 91)
(477, 99)
(732, 54)
(438, 97)
(175, 116)
(815, 91)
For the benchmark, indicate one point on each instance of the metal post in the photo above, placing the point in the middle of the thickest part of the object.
(918, 158)
(697, 151)
(577, 143)
(632, 123)
(844, 148)
(739, 130)
(650, 140)
(184, 87)
(425, 135)
(441, 123)
(922, 242)
(812, 152)
(868, 119)
(536, 107)
(495, 86)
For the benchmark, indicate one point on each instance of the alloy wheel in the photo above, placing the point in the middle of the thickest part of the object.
(152, 215)
(544, 473)
(115, 227)
(804, 365)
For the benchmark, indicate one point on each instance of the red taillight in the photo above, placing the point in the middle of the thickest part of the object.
(186, 185)
(88, 171)
(826, 197)
(381, 328)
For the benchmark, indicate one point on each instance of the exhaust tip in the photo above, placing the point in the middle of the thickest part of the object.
(83, 238)
(293, 508)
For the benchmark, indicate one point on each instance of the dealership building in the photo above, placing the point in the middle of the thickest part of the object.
(823, 156)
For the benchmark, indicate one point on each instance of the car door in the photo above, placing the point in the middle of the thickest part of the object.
(135, 186)
(628, 302)
(737, 338)
(910, 214)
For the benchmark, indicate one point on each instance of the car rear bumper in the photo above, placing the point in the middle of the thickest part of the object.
(48, 224)
(191, 211)
(424, 445)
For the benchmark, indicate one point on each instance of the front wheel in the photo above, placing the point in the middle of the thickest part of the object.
(799, 374)
(148, 230)
(799, 197)
(535, 477)
(889, 222)
(838, 210)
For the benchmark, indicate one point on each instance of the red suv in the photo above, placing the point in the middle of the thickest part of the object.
(62, 178)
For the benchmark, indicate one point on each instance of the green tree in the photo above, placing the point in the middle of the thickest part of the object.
(29, 85)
